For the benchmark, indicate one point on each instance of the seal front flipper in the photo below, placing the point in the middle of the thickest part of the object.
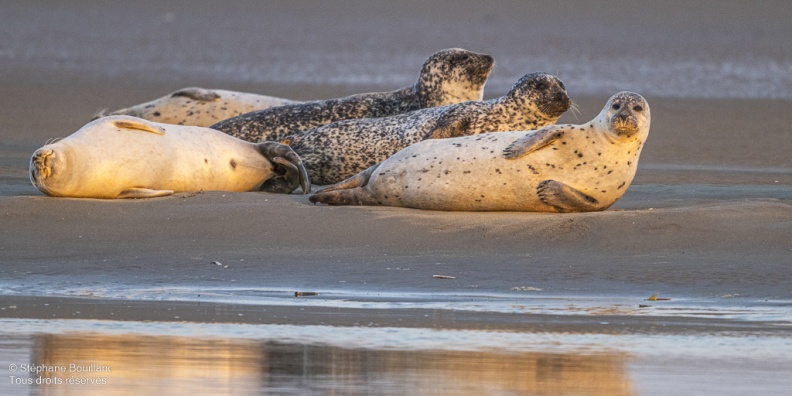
(199, 94)
(143, 193)
(450, 125)
(459, 120)
(290, 172)
(138, 124)
(565, 198)
(532, 142)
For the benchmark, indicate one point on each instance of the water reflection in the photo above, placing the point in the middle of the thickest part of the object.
(141, 364)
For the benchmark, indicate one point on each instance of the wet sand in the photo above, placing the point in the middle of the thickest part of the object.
(707, 222)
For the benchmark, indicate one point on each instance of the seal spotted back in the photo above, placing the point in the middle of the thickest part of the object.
(448, 76)
(199, 106)
(337, 151)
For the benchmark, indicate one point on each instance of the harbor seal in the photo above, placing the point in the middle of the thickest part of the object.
(448, 76)
(334, 152)
(199, 106)
(128, 157)
(559, 168)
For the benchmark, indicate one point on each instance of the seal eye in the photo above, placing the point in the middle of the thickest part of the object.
(616, 106)
(541, 86)
(561, 84)
(637, 108)
(464, 58)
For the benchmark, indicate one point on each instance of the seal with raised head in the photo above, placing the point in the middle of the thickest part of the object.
(449, 76)
(337, 151)
(128, 157)
(199, 106)
(559, 168)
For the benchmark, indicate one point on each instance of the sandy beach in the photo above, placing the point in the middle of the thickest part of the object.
(539, 303)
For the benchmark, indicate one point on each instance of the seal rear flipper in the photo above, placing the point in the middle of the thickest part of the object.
(351, 191)
(532, 142)
(290, 172)
(352, 196)
(565, 198)
(359, 180)
(143, 193)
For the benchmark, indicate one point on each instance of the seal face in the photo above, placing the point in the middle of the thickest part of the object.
(559, 168)
(199, 106)
(334, 152)
(127, 157)
(449, 76)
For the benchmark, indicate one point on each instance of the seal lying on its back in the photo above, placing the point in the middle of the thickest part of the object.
(128, 157)
(448, 76)
(560, 168)
(337, 151)
(199, 107)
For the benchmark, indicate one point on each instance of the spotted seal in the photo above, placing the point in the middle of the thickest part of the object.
(199, 106)
(337, 151)
(448, 76)
(559, 168)
(128, 157)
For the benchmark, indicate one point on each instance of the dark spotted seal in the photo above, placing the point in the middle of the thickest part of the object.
(128, 157)
(560, 168)
(199, 107)
(337, 151)
(448, 76)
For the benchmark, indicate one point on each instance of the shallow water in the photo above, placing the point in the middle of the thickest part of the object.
(183, 358)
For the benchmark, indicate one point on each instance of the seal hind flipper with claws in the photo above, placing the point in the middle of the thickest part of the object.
(290, 172)
(348, 192)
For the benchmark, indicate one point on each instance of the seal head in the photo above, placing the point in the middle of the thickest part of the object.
(627, 114)
(541, 94)
(452, 76)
